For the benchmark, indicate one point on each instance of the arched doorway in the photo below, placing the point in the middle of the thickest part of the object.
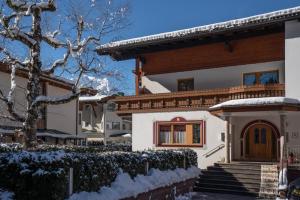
(260, 141)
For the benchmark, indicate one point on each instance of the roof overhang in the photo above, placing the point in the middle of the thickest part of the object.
(270, 104)
(225, 31)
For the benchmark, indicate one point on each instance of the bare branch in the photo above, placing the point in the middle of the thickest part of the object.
(11, 60)
(16, 34)
(53, 42)
(58, 63)
(22, 6)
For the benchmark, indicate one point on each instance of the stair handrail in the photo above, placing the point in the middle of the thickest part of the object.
(214, 150)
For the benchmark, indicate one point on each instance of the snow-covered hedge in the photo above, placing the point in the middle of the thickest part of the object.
(10, 147)
(44, 175)
(125, 186)
(15, 147)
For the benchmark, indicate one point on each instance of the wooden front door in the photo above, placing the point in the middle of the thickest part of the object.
(261, 141)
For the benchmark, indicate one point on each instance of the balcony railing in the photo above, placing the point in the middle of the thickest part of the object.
(193, 100)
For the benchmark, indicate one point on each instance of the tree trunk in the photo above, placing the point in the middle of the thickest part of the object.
(33, 85)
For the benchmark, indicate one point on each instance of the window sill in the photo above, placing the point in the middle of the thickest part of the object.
(180, 145)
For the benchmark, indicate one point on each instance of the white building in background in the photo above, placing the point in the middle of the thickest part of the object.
(184, 77)
(57, 124)
(99, 121)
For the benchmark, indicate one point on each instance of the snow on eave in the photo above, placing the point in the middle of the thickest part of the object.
(257, 102)
(266, 18)
(57, 135)
(92, 98)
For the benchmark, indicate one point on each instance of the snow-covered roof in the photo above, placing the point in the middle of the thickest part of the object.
(257, 102)
(125, 134)
(92, 98)
(253, 21)
(58, 135)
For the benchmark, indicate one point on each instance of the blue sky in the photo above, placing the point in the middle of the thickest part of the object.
(156, 16)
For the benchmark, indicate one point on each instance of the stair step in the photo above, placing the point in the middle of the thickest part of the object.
(231, 177)
(225, 191)
(230, 182)
(228, 173)
(238, 178)
(233, 170)
(251, 188)
(243, 164)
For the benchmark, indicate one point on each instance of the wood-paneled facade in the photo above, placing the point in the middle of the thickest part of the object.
(250, 50)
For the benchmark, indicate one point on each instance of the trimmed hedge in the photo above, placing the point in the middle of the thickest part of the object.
(16, 147)
(44, 175)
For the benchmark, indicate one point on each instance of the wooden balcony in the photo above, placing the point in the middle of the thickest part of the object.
(193, 100)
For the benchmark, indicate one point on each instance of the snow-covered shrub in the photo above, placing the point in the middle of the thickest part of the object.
(10, 147)
(44, 175)
(14, 147)
(32, 175)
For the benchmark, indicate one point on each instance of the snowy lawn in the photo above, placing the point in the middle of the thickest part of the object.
(124, 186)
(5, 195)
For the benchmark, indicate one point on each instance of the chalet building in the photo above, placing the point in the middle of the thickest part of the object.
(229, 90)
(57, 124)
(100, 123)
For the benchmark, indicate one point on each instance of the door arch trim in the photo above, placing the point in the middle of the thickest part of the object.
(250, 124)
(253, 123)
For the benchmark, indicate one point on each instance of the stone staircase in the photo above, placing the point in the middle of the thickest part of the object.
(242, 178)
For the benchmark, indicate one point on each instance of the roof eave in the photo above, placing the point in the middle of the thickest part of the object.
(122, 52)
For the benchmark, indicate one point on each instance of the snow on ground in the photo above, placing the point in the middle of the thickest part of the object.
(5, 195)
(257, 101)
(124, 186)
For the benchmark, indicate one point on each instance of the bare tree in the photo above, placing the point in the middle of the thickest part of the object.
(28, 25)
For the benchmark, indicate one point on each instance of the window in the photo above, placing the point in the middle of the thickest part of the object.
(116, 126)
(256, 136)
(165, 135)
(196, 134)
(269, 77)
(249, 79)
(124, 126)
(182, 134)
(185, 84)
(111, 107)
(79, 118)
(179, 134)
(263, 136)
(87, 115)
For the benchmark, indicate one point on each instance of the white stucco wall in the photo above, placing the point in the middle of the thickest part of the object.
(210, 78)
(104, 118)
(61, 117)
(292, 58)
(142, 132)
(110, 117)
(20, 97)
